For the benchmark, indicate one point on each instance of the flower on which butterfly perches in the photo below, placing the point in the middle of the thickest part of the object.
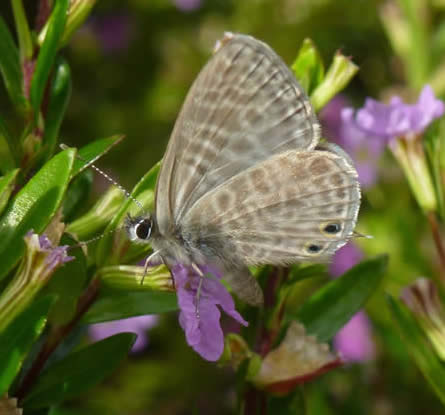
(200, 314)
(401, 126)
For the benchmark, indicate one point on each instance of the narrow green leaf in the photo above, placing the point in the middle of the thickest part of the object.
(17, 338)
(94, 150)
(118, 304)
(77, 195)
(7, 183)
(330, 308)
(145, 185)
(48, 52)
(23, 33)
(418, 346)
(59, 96)
(33, 207)
(79, 371)
(11, 156)
(10, 66)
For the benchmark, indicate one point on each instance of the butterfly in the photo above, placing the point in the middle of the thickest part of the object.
(244, 180)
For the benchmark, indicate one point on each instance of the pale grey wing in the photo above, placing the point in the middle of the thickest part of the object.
(244, 107)
(295, 206)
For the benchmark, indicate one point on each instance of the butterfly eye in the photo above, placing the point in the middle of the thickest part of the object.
(332, 228)
(143, 229)
(313, 249)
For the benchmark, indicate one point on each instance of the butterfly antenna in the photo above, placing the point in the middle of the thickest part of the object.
(361, 235)
(96, 238)
(111, 180)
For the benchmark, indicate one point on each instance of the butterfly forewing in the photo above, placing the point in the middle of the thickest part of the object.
(244, 107)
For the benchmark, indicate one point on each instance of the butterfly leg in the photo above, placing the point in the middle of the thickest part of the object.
(147, 261)
(198, 292)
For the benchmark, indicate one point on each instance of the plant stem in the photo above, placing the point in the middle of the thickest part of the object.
(56, 336)
(434, 224)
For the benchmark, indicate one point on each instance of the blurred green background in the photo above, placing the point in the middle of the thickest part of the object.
(132, 64)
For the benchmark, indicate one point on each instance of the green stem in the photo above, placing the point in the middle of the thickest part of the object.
(434, 224)
(417, 62)
(23, 33)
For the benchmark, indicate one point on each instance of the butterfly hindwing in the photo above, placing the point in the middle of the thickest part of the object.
(295, 206)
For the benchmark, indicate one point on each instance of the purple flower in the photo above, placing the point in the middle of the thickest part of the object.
(56, 255)
(187, 5)
(346, 257)
(340, 126)
(113, 32)
(202, 324)
(354, 340)
(398, 119)
(138, 325)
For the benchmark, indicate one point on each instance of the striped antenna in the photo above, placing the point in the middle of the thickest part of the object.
(102, 173)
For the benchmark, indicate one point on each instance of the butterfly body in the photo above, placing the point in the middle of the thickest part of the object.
(244, 180)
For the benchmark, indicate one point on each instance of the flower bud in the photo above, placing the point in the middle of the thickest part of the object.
(132, 278)
(423, 300)
(341, 71)
(41, 259)
(99, 215)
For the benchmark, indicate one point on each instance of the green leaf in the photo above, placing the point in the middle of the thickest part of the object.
(302, 272)
(308, 66)
(79, 371)
(418, 346)
(10, 66)
(48, 52)
(67, 283)
(33, 207)
(23, 33)
(77, 195)
(59, 96)
(145, 185)
(291, 404)
(93, 151)
(118, 304)
(330, 308)
(7, 183)
(8, 149)
(17, 338)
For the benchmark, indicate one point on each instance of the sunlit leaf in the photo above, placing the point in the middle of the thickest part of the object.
(47, 53)
(33, 207)
(17, 338)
